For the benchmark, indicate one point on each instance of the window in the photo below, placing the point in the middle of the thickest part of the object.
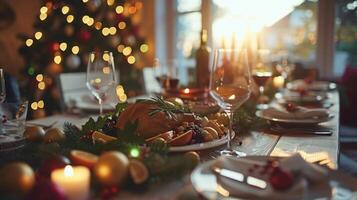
(345, 36)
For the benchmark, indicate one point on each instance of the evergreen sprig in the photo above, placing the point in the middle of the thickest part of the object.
(170, 109)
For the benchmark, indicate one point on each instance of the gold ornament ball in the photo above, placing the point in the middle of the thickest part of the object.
(17, 177)
(112, 168)
(34, 133)
(193, 156)
(53, 135)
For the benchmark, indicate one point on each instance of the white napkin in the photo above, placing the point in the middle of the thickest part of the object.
(281, 112)
(295, 164)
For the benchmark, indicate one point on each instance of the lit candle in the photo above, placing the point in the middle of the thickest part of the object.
(186, 91)
(278, 82)
(74, 181)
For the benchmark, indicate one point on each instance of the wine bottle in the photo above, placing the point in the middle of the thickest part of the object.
(202, 62)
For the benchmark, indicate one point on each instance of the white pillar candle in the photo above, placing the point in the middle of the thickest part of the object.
(278, 82)
(75, 181)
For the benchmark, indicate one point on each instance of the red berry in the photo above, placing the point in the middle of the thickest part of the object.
(280, 179)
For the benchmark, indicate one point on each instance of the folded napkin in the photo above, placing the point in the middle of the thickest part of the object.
(305, 171)
(300, 113)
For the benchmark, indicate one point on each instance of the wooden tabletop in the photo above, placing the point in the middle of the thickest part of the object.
(311, 147)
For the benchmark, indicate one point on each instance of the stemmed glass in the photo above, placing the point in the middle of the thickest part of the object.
(2, 86)
(284, 67)
(166, 73)
(100, 75)
(230, 85)
(262, 71)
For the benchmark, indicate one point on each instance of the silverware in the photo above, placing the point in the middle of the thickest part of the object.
(240, 177)
(302, 129)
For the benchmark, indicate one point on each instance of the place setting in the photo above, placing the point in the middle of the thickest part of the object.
(126, 99)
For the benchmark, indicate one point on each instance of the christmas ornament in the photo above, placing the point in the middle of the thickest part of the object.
(17, 177)
(83, 158)
(138, 171)
(54, 47)
(73, 61)
(44, 189)
(193, 156)
(68, 30)
(84, 35)
(53, 135)
(280, 179)
(52, 163)
(93, 5)
(112, 168)
(34, 133)
(54, 69)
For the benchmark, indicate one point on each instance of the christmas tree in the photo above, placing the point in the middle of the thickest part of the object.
(66, 32)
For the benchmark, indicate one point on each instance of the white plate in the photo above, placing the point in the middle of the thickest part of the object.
(339, 186)
(86, 101)
(310, 97)
(261, 114)
(315, 86)
(201, 146)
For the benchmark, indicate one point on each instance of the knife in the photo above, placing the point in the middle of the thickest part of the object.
(239, 177)
(304, 130)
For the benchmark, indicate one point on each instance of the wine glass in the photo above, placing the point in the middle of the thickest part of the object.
(284, 66)
(100, 75)
(230, 85)
(166, 73)
(262, 71)
(2, 86)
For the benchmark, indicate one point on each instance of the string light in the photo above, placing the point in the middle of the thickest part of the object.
(106, 70)
(34, 105)
(131, 59)
(144, 48)
(57, 59)
(112, 30)
(85, 19)
(41, 104)
(43, 9)
(132, 10)
(119, 90)
(31, 71)
(119, 9)
(75, 50)
(134, 152)
(90, 21)
(39, 77)
(110, 2)
(121, 25)
(127, 51)
(38, 35)
(70, 18)
(29, 42)
(43, 16)
(41, 85)
(98, 25)
(106, 57)
(84, 1)
(63, 46)
(120, 48)
(65, 9)
(105, 31)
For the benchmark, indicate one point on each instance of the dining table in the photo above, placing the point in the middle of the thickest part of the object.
(265, 142)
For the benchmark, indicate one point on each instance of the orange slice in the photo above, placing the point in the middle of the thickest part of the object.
(181, 139)
(138, 171)
(98, 136)
(87, 159)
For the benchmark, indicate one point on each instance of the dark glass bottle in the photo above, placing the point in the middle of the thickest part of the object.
(202, 62)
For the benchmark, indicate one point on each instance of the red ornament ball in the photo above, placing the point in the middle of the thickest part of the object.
(84, 35)
(52, 163)
(54, 47)
(281, 179)
(44, 189)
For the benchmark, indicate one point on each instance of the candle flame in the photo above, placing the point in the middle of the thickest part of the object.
(186, 91)
(68, 170)
(232, 97)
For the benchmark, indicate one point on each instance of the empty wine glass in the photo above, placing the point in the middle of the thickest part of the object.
(230, 85)
(2, 86)
(261, 72)
(100, 75)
